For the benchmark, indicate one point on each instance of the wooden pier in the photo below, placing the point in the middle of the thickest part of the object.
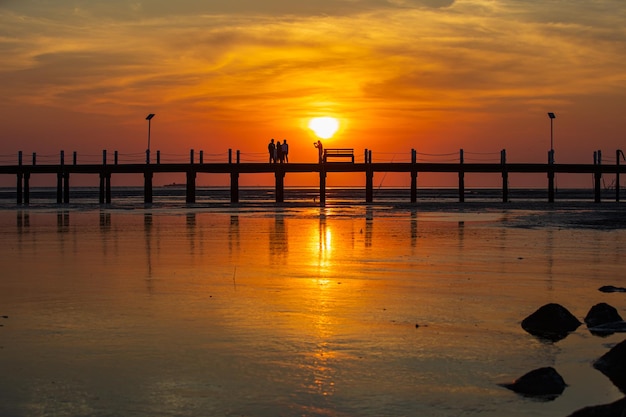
(235, 168)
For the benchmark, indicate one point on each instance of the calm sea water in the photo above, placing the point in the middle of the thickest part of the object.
(291, 310)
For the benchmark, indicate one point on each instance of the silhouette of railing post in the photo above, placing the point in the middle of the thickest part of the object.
(74, 157)
(413, 176)
(191, 180)
(234, 178)
(505, 177)
(115, 158)
(201, 157)
(158, 161)
(34, 158)
(461, 177)
(550, 176)
(597, 176)
(369, 178)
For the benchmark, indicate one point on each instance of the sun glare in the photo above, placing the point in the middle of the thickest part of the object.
(324, 127)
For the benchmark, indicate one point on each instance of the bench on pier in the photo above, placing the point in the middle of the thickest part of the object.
(338, 153)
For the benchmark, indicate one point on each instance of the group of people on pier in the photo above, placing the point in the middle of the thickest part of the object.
(279, 152)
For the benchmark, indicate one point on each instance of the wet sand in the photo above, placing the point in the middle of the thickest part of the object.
(267, 311)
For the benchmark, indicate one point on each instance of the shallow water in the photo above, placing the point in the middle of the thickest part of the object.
(342, 311)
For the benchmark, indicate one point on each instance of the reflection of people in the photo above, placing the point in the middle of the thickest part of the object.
(285, 150)
(272, 150)
(320, 150)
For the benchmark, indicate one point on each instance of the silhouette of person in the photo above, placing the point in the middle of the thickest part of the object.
(285, 150)
(279, 151)
(320, 150)
(271, 147)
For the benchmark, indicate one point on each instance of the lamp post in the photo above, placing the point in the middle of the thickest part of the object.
(148, 118)
(552, 116)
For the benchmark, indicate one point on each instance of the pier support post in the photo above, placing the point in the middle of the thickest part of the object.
(617, 185)
(413, 176)
(107, 188)
(147, 186)
(20, 178)
(234, 187)
(234, 178)
(505, 177)
(27, 188)
(551, 176)
(102, 191)
(369, 177)
(597, 177)
(59, 187)
(66, 187)
(280, 184)
(551, 185)
(369, 184)
(461, 178)
(191, 186)
(322, 186)
(60, 179)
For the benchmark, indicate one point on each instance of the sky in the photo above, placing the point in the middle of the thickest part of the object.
(436, 76)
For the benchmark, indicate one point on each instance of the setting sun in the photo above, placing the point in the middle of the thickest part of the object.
(324, 127)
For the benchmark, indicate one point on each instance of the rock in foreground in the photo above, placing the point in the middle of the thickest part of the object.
(552, 322)
(543, 382)
(613, 365)
(600, 314)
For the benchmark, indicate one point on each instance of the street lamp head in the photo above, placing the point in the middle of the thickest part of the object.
(550, 115)
(150, 116)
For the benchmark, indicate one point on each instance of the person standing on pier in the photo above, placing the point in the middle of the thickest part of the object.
(320, 150)
(285, 150)
(279, 152)
(271, 147)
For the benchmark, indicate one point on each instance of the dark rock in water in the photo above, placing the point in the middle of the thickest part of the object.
(552, 322)
(543, 382)
(613, 365)
(611, 288)
(616, 409)
(601, 314)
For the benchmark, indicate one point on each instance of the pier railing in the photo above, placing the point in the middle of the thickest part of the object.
(235, 163)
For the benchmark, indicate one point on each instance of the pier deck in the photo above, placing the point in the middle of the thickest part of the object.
(105, 171)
